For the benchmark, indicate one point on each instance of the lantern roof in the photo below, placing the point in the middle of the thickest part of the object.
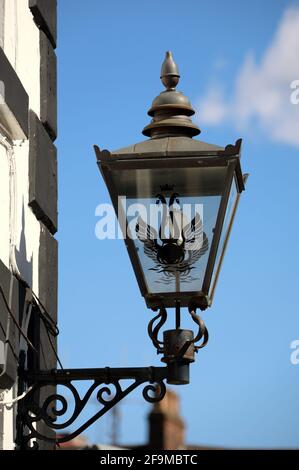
(174, 147)
(171, 129)
(169, 145)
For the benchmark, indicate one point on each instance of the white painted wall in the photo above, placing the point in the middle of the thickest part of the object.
(8, 413)
(4, 205)
(21, 46)
(19, 237)
(19, 229)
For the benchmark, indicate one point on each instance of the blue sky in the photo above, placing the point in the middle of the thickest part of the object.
(236, 60)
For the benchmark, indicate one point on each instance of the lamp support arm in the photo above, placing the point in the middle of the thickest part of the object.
(67, 404)
(43, 410)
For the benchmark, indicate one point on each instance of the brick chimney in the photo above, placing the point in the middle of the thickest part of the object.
(166, 427)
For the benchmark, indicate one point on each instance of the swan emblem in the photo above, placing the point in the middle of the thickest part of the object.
(176, 253)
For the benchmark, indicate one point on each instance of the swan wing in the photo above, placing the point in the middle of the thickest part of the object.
(198, 251)
(194, 230)
(148, 236)
(144, 231)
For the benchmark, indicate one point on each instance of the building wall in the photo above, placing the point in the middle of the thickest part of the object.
(28, 190)
(166, 426)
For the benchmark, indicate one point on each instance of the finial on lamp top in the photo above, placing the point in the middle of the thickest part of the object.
(169, 72)
(171, 110)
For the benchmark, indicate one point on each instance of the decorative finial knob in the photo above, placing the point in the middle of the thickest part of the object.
(171, 110)
(169, 72)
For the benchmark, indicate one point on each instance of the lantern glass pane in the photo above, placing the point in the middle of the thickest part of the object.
(194, 213)
(193, 181)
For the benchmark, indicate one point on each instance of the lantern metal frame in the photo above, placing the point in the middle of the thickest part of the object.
(142, 157)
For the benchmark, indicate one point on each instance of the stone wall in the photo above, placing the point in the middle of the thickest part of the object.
(28, 192)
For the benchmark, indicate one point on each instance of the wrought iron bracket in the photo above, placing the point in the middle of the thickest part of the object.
(41, 411)
(106, 386)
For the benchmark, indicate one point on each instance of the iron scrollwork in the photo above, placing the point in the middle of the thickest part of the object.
(161, 318)
(58, 411)
(106, 384)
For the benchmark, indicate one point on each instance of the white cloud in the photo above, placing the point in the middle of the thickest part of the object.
(212, 108)
(262, 91)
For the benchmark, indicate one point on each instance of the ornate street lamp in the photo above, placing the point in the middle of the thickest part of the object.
(175, 198)
(176, 254)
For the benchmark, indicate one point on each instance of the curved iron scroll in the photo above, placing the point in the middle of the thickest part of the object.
(153, 332)
(106, 385)
(161, 319)
(202, 331)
